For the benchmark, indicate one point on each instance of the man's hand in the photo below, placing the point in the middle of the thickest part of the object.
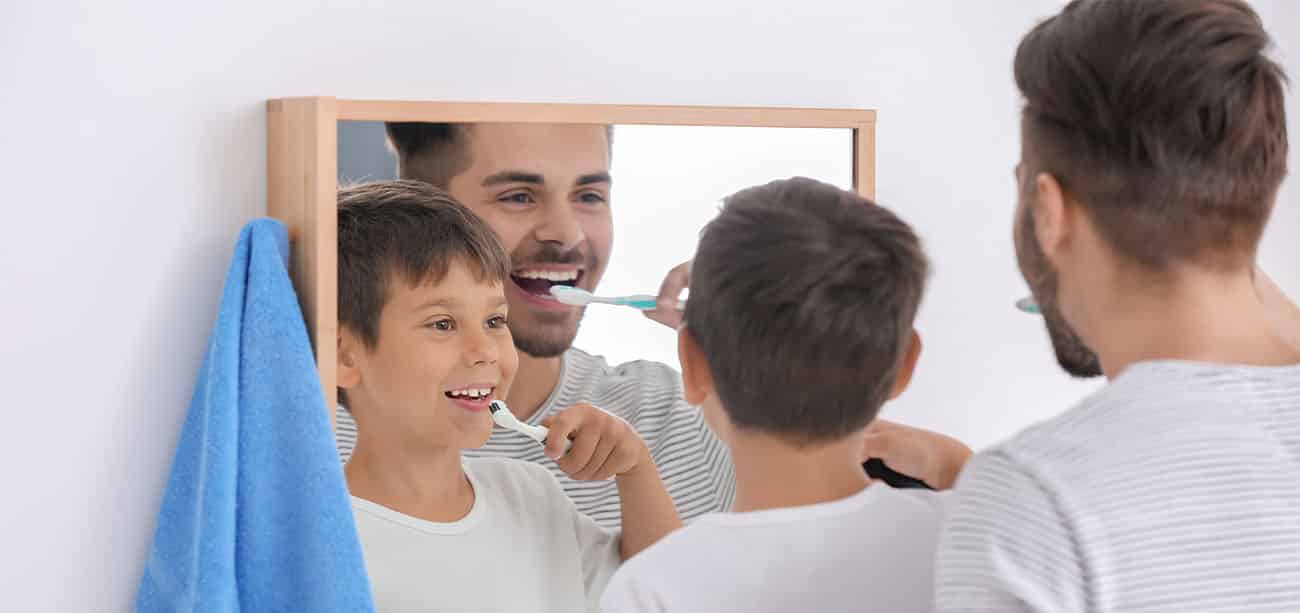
(929, 456)
(603, 446)
(678, 279)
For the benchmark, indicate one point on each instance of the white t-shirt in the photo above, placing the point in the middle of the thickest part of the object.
(523, 547)
(695, 466)
(873, 551)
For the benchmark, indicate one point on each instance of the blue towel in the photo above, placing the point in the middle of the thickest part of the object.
(256, 515)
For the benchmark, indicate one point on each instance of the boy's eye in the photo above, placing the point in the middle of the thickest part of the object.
(497, 322)
(441, 324)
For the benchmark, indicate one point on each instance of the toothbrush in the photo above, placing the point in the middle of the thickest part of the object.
(502, 416)
(1028, 305)
(580, 297)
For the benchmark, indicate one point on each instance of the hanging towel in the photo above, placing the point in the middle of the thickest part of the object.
(256, 515)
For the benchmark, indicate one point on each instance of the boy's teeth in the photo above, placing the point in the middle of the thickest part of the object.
(472, 393)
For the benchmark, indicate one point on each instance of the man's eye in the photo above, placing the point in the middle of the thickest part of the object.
(592, 198)
(497, 323)
(517, 198)
(444, 325)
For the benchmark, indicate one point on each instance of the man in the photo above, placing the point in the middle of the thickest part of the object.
(545, 190)
(1153, 144)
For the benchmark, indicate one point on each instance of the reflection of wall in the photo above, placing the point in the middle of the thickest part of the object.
(363, 153)
(134, 151)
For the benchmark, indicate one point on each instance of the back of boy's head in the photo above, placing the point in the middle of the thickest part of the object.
(408, 232)
(802, 302)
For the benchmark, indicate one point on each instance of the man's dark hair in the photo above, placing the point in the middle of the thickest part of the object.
(408, 232)
(435, 152)
(802, 301)
(1164, 119)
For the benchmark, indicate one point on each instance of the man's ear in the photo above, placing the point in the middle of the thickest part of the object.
(1053, 214)
(907, 366)
(697, 379)
(350, 354)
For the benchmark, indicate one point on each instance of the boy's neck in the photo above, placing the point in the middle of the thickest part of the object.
(771, 473)
(535, 380)
(427, 483)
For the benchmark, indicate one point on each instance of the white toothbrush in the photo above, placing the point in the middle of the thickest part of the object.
(502, 416)
(580, 297)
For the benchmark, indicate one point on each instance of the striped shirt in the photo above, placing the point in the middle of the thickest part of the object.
(1175, 488)
(694, 465)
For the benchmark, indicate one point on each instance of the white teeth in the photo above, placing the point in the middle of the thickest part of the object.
(474, 393)
(547, 275)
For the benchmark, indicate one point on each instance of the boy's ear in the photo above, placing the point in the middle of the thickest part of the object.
(349, 355)
(907, 366)
(697, 379)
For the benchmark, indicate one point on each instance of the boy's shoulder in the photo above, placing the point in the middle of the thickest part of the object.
(514, 481)
(719, 545)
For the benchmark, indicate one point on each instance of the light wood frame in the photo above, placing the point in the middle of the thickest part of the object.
(302, 172)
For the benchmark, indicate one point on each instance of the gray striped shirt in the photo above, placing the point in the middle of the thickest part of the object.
(695, 466)
(1175, 488)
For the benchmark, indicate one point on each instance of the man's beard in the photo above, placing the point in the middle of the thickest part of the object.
(546, 340)
(547, 334)
(1071, 353)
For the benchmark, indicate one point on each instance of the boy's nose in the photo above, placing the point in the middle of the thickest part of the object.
(479, 349)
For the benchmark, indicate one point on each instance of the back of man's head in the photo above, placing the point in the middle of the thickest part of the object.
(802, 302)
(1164, 119)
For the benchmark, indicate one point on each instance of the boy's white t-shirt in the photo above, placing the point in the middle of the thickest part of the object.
(873, 551)
(522, 547)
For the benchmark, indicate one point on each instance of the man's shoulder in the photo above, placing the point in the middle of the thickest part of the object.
(583, 364)
(629, 389)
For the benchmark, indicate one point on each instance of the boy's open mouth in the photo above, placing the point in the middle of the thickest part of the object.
(538, 282)
(474, 398)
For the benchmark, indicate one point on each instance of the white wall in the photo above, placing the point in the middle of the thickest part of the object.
(133, 152)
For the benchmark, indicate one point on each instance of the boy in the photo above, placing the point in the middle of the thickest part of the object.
(798, 328)
(423, 347)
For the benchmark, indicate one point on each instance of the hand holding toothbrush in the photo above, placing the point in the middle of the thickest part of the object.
(670, 292)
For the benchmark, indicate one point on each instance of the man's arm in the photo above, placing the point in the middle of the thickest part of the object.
(1006, 546)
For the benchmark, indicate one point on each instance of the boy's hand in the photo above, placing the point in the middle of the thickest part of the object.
(678, 279)
(603, 446)
(929, 456)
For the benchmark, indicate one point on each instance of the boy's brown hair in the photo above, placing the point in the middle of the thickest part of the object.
(408, 232)
(802, 301)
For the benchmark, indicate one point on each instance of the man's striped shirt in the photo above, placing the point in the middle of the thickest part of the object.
(1175, 488)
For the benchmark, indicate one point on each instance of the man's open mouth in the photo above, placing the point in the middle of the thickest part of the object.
(539, 282)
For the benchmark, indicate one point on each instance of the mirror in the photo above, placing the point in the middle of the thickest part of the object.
(667, 183)
(604, 198)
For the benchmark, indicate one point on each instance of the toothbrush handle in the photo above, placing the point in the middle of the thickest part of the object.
(645, 302)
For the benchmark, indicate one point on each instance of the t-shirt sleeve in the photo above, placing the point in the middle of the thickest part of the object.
(1007, 546)
(629, 592)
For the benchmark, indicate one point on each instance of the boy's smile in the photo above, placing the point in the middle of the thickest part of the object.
(444, 352)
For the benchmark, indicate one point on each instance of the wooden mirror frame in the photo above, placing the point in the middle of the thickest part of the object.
(302, 172)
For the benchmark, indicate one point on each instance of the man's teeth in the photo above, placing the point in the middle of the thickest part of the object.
(548, 275)
(473, 394)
